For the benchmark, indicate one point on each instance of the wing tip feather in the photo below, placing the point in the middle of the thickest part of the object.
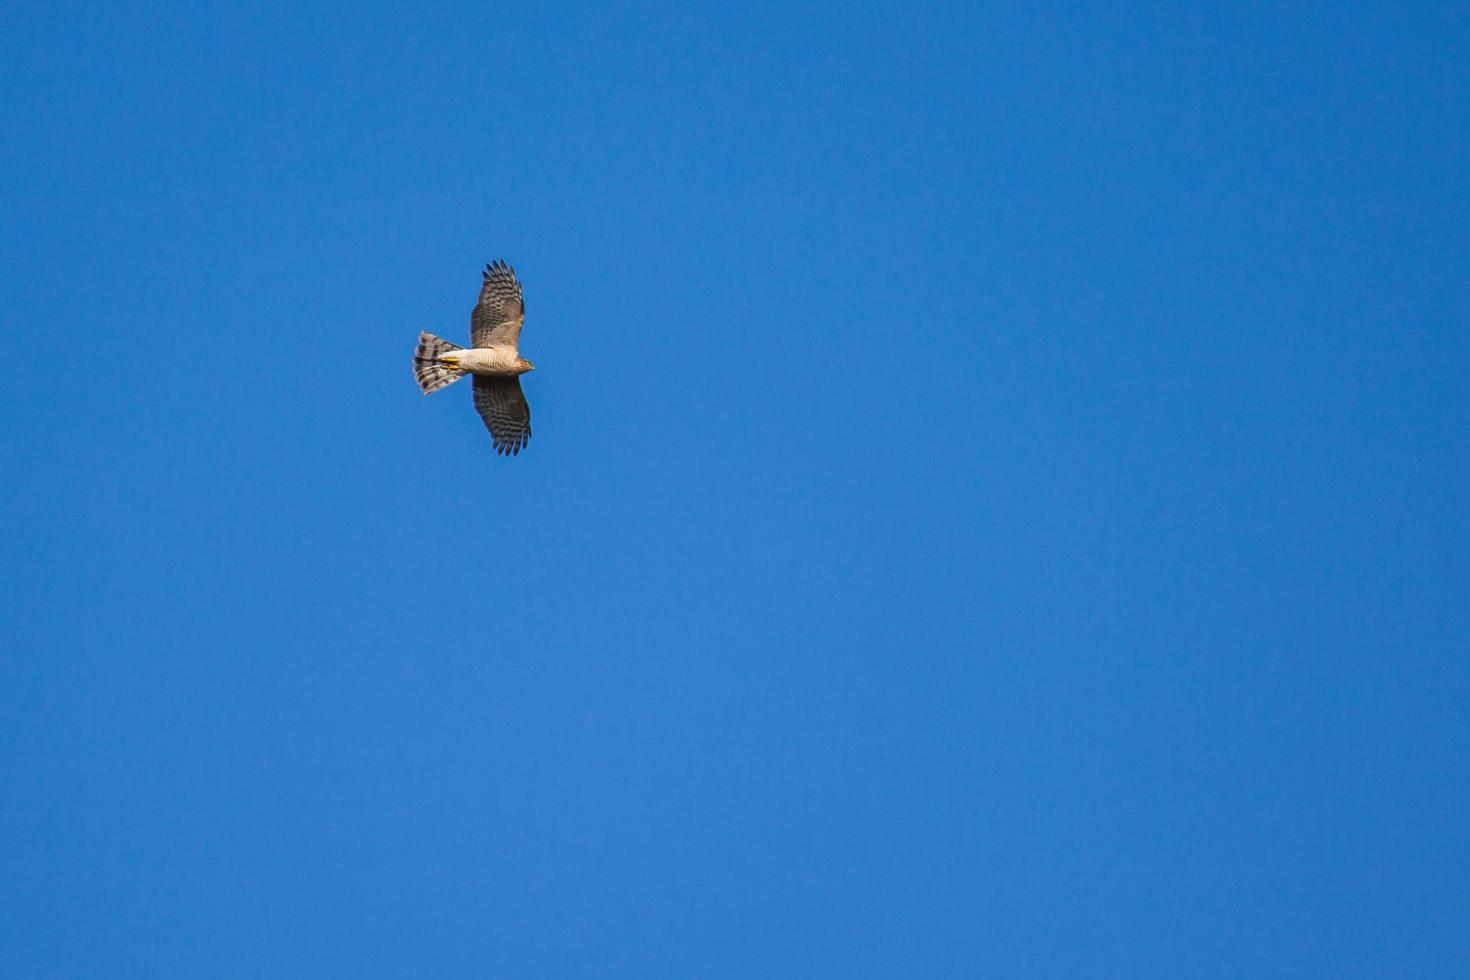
(498, 267)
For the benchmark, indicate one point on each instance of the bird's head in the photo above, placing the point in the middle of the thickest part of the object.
(525, 365)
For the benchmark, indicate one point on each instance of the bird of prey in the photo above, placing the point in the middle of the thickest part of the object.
(493, 357)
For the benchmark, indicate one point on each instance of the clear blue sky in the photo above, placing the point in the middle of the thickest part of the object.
(997, 505)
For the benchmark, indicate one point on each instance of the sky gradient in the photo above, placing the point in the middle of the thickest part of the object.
(997, 504)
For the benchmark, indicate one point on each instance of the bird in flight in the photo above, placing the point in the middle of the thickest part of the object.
(493, 357)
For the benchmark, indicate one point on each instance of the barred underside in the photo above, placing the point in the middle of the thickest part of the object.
(431, 374)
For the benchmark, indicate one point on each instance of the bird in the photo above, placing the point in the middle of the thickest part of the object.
(493, 358)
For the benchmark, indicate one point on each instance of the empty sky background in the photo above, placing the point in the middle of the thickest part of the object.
(997, 504)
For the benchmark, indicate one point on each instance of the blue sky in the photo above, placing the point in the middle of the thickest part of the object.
(996, 508)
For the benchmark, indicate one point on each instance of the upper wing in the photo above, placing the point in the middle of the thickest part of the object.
(502, 405)
(501, 311)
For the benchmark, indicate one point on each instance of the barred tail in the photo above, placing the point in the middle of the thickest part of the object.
(431, 372)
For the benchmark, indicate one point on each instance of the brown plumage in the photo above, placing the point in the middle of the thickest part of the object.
(493, 358)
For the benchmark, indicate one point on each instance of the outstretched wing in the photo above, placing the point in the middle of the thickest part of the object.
(503, 407)
(501, 311)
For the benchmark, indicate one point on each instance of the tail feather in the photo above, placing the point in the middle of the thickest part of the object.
(433, 374)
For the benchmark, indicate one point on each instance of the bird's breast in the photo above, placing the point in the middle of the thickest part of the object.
(499, 361)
